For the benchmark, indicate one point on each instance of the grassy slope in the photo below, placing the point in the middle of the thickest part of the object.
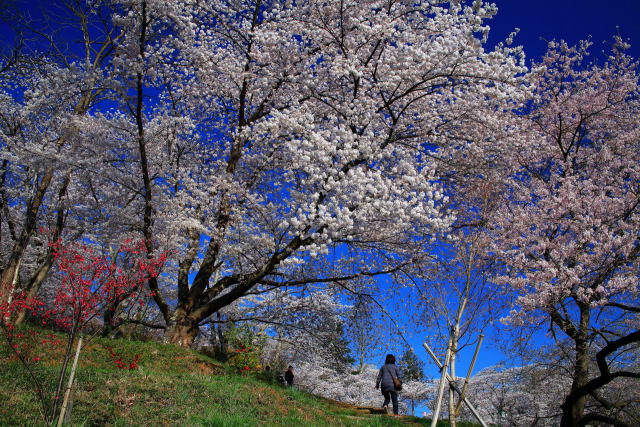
(173, 386)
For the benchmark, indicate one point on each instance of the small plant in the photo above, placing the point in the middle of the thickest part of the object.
(24, 345)
(245, 349)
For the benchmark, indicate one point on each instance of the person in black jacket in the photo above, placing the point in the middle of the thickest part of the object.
(288, 376)
(387, 373)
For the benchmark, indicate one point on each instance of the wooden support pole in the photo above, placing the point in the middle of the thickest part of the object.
(443, 379)
(455, 387)
(475, 356)
(67, 392)
(470, 371)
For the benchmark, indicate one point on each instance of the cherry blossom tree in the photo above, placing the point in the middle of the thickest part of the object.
(568, 229)
(323, 117)
(519, 395)
(250, 138)
(46, 93)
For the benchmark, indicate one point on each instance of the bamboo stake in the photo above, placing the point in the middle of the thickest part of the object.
(67, 392)
(470, 371)
(443, 378)
(455, 387)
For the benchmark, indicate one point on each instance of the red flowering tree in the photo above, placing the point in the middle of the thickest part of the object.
(23, 343)
(91, 285)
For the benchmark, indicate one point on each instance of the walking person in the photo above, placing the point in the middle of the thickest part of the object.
(389, 383)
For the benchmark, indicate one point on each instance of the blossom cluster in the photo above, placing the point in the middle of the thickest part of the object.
(121, 364)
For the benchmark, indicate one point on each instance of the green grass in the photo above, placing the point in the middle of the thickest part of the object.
(172, 386)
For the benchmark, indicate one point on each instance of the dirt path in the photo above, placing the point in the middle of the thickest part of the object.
(368, 410)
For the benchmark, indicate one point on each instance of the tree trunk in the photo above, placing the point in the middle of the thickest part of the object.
(182, 330)
(573, 411)
(11, 270)
(453, 416)
(221, 340)
(109, 319)
(33, 287)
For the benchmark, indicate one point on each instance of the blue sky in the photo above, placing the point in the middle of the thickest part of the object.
(571, 20)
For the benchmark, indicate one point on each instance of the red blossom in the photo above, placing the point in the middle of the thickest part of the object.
(120, 364)
(91, 282)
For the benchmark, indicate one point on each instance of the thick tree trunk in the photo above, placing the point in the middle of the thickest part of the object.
(571, 413)
(182, 330)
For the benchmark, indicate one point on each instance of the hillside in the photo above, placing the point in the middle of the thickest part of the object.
(171, 386)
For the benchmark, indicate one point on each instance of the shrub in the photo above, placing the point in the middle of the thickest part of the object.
(245, 349)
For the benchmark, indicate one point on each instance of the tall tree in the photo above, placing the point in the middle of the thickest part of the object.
(568, 228)
(325, 117)
(411, 367)
(47, 94)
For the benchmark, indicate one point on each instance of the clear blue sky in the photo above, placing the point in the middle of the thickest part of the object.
(571, 20)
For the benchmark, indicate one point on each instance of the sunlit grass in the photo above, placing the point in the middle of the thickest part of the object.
(172, 386)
